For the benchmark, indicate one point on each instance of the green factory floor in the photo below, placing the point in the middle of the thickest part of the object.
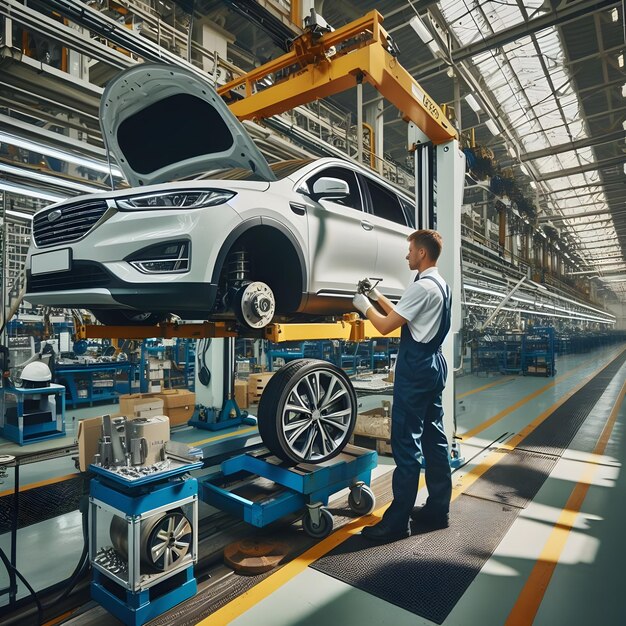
(577, 547)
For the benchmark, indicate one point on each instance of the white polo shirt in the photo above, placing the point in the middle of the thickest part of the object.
(422, 304)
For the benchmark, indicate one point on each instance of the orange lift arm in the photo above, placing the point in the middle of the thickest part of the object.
(318, 67)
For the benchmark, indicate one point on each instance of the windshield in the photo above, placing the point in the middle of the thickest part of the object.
(282, 169)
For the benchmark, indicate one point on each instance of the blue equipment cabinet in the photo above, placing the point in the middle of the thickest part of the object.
(28, 415)
(236, 489)
(137, 575)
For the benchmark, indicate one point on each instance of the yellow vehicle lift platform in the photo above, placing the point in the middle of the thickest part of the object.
(350, 328)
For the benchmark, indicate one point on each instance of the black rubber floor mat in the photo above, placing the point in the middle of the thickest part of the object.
(41, 503)
(425, 574)
(515, 479)
(428, 574)
(554, 435)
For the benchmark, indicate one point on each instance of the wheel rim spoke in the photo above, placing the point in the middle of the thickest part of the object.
(340, 425)
(308, 446)
(294, 436)
(334, 398)
(296, 401)
(296, 408)
(181, 529)
(312, 394)
(329, 390)
(336, 415)
(289, 426)
(328, 445)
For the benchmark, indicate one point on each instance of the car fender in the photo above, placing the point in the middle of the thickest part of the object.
(240, 229)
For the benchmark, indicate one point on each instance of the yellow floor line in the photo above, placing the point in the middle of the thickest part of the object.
(529, 600)
(472, 391)
(253, 596)
(225, 436)
(41, 483)
(520, 403)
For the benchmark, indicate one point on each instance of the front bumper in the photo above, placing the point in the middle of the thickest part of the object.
(90, 285)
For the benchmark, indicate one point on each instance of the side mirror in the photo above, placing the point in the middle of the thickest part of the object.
(330, 188)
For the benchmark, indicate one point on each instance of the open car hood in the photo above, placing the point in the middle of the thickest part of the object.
(161, 122)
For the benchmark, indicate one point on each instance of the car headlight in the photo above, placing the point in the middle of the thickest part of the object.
(176, 200)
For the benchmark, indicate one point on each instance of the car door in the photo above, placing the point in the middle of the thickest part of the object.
(342, 241)
(392, 228)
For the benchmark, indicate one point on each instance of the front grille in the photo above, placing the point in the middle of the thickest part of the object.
(75, 221)
(83, 275)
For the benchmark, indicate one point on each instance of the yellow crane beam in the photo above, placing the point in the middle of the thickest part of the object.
(318, 67)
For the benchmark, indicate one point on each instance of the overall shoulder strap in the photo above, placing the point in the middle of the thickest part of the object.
(446, 296)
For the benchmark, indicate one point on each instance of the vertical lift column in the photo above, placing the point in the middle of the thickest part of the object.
(439, 180)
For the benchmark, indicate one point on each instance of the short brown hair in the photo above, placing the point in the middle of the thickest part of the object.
(430, 240)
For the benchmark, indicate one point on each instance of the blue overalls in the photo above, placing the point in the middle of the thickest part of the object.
(417, 423)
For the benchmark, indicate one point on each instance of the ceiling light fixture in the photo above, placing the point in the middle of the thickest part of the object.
(32, 193)
(614, 14)
(423, 33)
(24, 216)
(38, 148)
(492, 126)
(473, 103)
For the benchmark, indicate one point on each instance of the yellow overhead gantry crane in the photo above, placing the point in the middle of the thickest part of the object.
(319, 66)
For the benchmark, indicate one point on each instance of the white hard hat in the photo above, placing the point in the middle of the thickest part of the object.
(37, 372)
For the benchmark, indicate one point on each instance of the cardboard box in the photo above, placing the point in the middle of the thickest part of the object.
(241, 394)
(179, 405)
(141, 405)
(89, 431)
(374, 423)
(256, 385)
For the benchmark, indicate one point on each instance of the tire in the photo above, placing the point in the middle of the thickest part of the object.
(321, 530)
(298, 420)
(366, 504)
(127, 317)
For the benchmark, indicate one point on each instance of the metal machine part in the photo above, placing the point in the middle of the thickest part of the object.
(164, 540)
(254, 304)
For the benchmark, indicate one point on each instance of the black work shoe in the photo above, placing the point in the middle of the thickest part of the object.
(383, 534)
(422, 517)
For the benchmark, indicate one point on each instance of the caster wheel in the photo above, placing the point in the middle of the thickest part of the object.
(366, 502)
(321, 530)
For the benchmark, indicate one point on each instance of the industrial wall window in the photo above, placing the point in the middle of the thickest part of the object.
(385, 203)
(354, 199)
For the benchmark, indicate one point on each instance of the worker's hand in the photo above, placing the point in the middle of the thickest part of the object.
(361, 303)
(365, 287)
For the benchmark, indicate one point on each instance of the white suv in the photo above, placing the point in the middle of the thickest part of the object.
(289, 240)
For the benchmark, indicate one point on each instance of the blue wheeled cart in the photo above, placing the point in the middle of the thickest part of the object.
(241, 488)
(143, 541)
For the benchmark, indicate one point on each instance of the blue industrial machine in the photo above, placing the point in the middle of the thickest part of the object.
(143, 541)
(235, 488)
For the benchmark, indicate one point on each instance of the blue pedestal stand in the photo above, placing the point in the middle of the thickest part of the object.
(131, 594)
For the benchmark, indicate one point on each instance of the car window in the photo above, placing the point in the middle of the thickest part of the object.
(354, 199)
(409, 210)
(385, 203)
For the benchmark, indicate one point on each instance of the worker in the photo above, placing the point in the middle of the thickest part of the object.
(417, 433)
